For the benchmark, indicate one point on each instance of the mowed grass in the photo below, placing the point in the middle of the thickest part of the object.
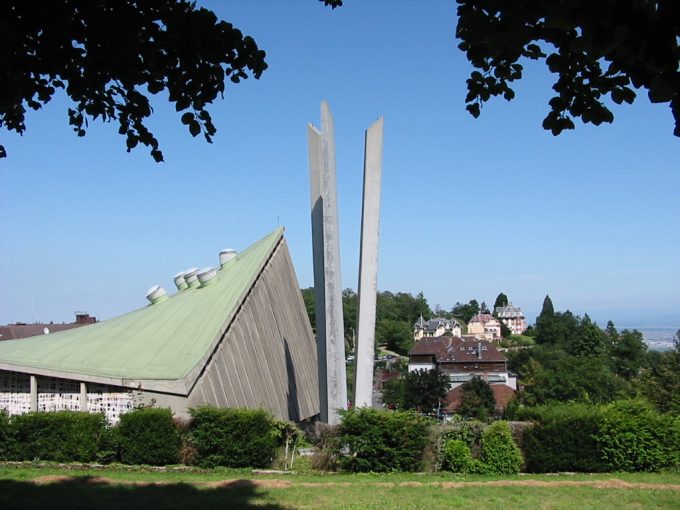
(28, 487)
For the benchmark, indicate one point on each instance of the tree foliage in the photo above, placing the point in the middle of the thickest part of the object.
(501, 300)
(477, 400)
(380, 441)
(660, 381)
(465, 311)
(425, 390)
(598, 50)
(108, 57)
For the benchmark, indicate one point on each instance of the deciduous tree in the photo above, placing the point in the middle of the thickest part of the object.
(477, 400)
(597, 50)
(109, 56)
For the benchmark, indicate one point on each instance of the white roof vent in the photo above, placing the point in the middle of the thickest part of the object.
(156, 294)
(190, 277)
(180, 282)
(226, 255)
(206, 276)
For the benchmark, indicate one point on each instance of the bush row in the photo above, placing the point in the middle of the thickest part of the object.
(622, 436)
(213, 437)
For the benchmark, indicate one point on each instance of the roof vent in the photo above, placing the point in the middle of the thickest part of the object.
(226, 255)
(190, 277)
(180, 282)
(206, 276)
(156, 294)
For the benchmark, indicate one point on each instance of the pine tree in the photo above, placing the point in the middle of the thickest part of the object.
(501, 300)
(547, 310)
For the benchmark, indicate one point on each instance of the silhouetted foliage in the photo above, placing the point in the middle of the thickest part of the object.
(598, 50)
(108, 56)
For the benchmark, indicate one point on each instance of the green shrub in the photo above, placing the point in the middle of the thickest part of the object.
(632, 436)
(468, 431)
(5, 436)
(500, 454)
(626, 435)
(380, 441)
(148, 436)
(63, 436)
(233, 437)
(564, 438)
(456, 457)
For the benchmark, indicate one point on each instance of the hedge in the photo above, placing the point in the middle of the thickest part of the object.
(563, 439)
(148, 436)
(63, 436)
(233, 437)
(380, 441)
(622, 436)
(500, 455)
(5, 435)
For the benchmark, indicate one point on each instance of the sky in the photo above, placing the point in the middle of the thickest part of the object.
(470, 207)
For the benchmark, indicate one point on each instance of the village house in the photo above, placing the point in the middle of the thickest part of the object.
(18, 330)
(461, 360)
(436, 327)
(485, 327)
(512, 317)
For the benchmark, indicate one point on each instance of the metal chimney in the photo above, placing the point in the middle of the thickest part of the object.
(226, 255)
(180, 282)
(190, 277)
(156, 294)
(206, 276)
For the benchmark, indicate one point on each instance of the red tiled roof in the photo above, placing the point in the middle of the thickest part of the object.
(501, 392)
(483, 318)
(454, 349)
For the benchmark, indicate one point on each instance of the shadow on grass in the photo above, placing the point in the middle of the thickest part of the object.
(88, 493)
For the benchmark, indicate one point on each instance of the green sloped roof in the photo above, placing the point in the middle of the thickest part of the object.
(161, 341)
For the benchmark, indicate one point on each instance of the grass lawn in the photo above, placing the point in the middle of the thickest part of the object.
(52, 487)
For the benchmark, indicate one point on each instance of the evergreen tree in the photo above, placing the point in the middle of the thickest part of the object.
(611, 332)
(548, 310)
(501, 300)
(589, 340)
(629, 353)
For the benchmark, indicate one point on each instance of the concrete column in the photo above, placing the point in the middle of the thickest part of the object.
(314, 146)
(368, 265)
(34, 393)
(327, 277)
(83, 396)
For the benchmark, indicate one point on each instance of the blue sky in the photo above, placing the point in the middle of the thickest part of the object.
(470, 207)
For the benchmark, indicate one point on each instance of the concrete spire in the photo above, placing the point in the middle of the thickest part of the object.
(327, 278)
(368, 265)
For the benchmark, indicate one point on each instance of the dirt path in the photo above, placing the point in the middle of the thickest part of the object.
(268, 483)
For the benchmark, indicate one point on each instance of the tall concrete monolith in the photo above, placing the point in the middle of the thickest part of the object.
(327, 279)
(368, 265)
